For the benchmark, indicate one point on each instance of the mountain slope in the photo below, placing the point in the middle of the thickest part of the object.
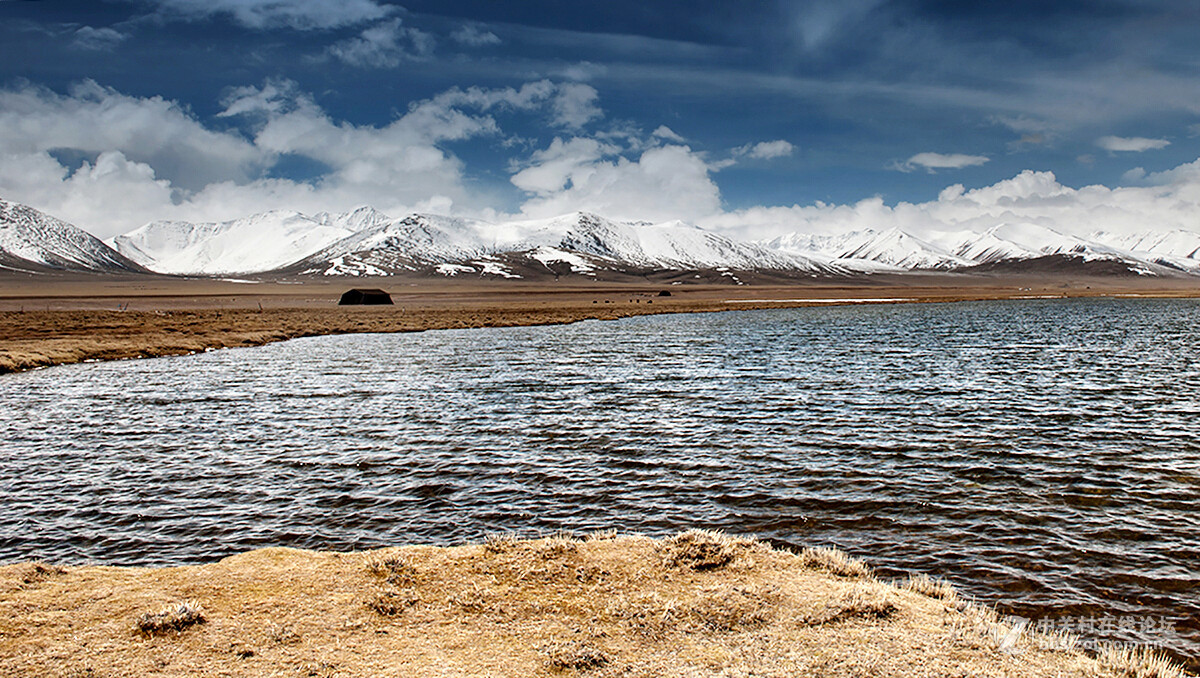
(870, 250)
(261, 242)
(34, 241)
(578, 243)
(897, 248)
(1176, 249)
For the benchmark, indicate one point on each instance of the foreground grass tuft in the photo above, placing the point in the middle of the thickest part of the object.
(171, 619)
(704, 549)
(395, 569)
(392, 603)
(574, 654)
(938, 589)
(858, 604)
(1139, 662)
(835, 562)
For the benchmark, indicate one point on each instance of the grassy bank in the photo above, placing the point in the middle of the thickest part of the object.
(697, 604)
(70, 322)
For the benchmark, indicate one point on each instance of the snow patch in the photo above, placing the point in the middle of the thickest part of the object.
(494, 268)
(450, 270)
(547, 255)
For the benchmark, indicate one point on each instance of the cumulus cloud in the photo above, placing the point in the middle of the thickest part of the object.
(667, 134)
(932, 162)
(1131, 144)
(384, 45)
(91, 119)
(111, 162)
(98, 39)
(662, 183)
(472, 36)
(575, 105)
(765, 150)
(267, 14)
(1169, 200)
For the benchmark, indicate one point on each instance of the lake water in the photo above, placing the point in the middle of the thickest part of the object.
(1043, 456)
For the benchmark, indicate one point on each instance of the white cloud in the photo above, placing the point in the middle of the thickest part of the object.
(561, 165)
(667, 134)
(575, 105)
(110, 162)
(98, 39)
(1131, 144)
(936, 161)
(766, 150)
(472, 36)
(265, 14)
(665, 182)
(1170, 201)
(384, 45)
(91, 119)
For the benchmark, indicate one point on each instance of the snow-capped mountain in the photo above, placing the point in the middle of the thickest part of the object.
(365, 242)
(870, 250)
(894, 247)
(1177, 249)
(1003, 244)
(584, 243)
(257, 243)
(33, 241)
(1022, 241)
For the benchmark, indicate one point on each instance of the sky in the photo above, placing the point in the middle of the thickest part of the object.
(754, 118)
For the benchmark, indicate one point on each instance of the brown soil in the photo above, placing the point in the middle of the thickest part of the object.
(698, 604)
(50, 320)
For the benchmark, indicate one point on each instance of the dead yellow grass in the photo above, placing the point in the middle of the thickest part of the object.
(603, 606)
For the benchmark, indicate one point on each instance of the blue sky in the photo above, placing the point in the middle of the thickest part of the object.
(758, 117)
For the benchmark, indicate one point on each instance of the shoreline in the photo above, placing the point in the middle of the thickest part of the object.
(44, 323)
(697, 603)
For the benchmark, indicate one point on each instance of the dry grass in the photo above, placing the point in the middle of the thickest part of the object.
(171, 619)
(697, 604)
(835, 562)
(574, 654)
(705, 550)
(938, 589)
(869, 603)
(1139, 662)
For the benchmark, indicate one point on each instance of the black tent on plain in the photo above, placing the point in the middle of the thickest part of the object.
(357, 297)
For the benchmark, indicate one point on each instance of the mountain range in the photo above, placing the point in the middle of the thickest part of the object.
(365, 242)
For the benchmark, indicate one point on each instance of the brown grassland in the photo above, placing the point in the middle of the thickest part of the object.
(696, 604)
(51, 320)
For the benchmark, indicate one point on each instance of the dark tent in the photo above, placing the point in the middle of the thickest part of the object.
(357, 297)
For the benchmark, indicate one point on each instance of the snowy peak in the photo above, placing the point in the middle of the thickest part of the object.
(367, 242)
(580, 243)
(870, 250)
(360, 219)
(1169, 244)
(261, 242)
(33, 240)
(897, 248)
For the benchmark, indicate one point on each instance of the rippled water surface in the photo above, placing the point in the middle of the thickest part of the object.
(1041, 455)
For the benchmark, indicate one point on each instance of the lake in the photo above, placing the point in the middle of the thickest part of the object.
(1041, 455)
